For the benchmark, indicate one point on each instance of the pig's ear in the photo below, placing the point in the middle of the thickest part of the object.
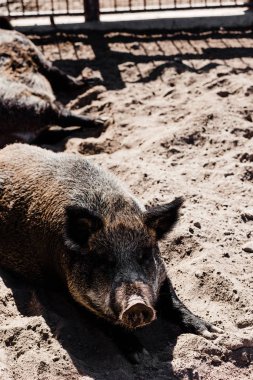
(80, 224)
(162, 218)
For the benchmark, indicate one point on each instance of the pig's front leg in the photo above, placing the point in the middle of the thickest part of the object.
(59, 80)
(170, 307)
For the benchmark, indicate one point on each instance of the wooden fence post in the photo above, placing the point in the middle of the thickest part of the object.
(91, 8)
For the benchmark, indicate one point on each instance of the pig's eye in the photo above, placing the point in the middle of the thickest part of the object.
(145, 255)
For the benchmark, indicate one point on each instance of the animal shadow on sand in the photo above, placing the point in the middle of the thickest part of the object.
(90, 341)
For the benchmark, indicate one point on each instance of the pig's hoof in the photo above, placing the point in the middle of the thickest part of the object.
(102, 122)
(206, 329)
(210, 332)
(91, 82)
(197, 326)
(75, 83)
(72, 83)
(85, 83)
(137, 357)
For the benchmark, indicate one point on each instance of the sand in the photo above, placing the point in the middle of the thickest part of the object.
(181, 110)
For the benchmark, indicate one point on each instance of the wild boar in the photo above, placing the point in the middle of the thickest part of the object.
(27, 101)
(64, 218)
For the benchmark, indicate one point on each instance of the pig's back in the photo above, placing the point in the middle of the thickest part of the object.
(40, 173)
(25, 94)
(35, 187)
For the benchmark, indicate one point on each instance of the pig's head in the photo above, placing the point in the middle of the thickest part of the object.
(114, 267)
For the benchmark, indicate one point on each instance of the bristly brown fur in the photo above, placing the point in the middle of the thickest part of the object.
(64, 218)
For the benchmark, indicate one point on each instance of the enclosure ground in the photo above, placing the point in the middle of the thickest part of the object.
(181, 109)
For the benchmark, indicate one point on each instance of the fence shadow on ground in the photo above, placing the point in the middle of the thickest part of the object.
(120, 59)
(183, 52)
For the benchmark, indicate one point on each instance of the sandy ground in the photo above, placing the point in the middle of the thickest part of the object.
(182, 108)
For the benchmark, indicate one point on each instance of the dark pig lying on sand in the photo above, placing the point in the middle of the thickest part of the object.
(27, 102)
(63, 217)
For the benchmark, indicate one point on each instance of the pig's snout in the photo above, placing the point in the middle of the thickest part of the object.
(137, 313)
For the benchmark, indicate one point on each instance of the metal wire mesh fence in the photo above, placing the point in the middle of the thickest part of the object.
(92, 8)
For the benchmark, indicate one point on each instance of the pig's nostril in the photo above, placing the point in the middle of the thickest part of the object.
(137, 315)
